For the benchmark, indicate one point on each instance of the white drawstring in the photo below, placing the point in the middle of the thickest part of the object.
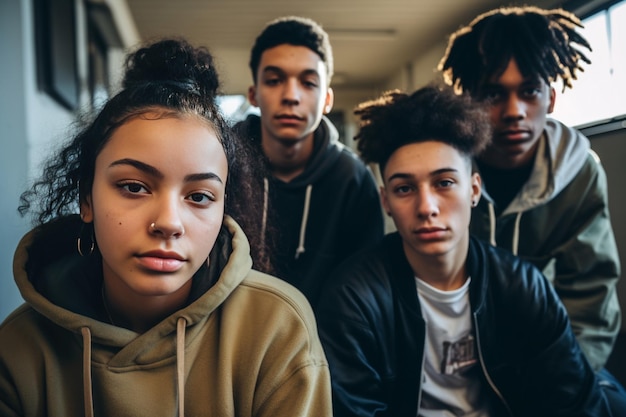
(266, 191)
(492, 229)
(305, 216)
(492, 225)
(515, 242)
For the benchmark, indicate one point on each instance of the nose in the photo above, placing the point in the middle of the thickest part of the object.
(514, 108)
(427, 205)
(167, 222)
(291, 92)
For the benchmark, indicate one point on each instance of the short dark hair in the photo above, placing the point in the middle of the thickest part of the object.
(540, 41)
(297, 31)
(431, 113)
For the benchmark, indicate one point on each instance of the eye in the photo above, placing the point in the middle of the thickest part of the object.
(402, 189)
(531, 91)
(445, 183)
(310, 83)
(272, 81)
(492, 95)
(201, 198)
(133, 187)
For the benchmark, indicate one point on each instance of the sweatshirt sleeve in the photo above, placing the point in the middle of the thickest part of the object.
(586, 269)
(552, 376)
(355, 355)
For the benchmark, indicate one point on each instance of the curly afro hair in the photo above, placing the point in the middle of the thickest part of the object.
(431, 113)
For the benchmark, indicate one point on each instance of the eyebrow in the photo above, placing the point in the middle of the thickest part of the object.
(272, 68)
(402, 175)
(525, 81)
(152, 171)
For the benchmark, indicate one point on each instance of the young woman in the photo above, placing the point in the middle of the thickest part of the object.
(146, 303)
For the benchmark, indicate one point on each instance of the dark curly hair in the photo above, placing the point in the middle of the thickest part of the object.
(542, 42)
(293, 30)
(169, 77)
(431, 113)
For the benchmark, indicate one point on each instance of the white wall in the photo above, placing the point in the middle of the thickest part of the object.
(14, 149)
(33, 123)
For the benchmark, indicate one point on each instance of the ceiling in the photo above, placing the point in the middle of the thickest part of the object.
(371, 39)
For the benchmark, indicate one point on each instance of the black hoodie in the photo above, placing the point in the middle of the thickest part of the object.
(323, 215)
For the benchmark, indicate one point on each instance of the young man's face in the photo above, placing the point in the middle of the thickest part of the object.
(291, 90)
(428, 190)
(519, 106)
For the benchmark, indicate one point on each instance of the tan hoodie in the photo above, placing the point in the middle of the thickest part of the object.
(248, 346)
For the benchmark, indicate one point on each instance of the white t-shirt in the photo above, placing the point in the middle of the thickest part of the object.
(451, 381)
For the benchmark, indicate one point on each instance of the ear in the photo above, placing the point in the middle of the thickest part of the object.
(476, 187)
(329, 100)
(252, 95)
(384, 201)
(552, 100)
(86, 210)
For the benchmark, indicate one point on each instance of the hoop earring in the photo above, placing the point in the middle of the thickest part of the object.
(79, 243)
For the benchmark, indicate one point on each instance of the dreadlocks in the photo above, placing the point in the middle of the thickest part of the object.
(540, 41)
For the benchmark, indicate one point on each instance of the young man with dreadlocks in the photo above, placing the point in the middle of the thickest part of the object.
(545, 191)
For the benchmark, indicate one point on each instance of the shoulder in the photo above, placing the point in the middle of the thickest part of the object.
(590, 179)
(23, 332)
(266, 296)
(367, 276)
(497, 266)
(348, 169)
(511, 282)
(558, 131)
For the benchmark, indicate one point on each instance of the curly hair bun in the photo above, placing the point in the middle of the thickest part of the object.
(174, 62)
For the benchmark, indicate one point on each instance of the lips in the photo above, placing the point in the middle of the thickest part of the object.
(289, 119)
(430, 233)
(515, 134)
(161, 261)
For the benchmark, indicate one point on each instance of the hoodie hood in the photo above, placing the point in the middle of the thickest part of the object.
(326, 149)
(239, 347)
(326, 152)
(561, 153)
(66, 288)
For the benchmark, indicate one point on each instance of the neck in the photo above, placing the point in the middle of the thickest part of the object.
(287, 158)
(137, 312)
(445, 272)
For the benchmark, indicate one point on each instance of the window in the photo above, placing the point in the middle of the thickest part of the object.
(235, 107)
(598, 93)
(55, 37)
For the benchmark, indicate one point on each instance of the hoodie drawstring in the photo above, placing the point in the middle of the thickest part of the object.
(181, 324)
(266, 192)
(492, 225)
(515, 242)
(87, 383)
(492, 229)
(305, 216)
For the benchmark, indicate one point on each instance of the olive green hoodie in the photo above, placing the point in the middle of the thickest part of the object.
(560, 221)
(246, 346)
